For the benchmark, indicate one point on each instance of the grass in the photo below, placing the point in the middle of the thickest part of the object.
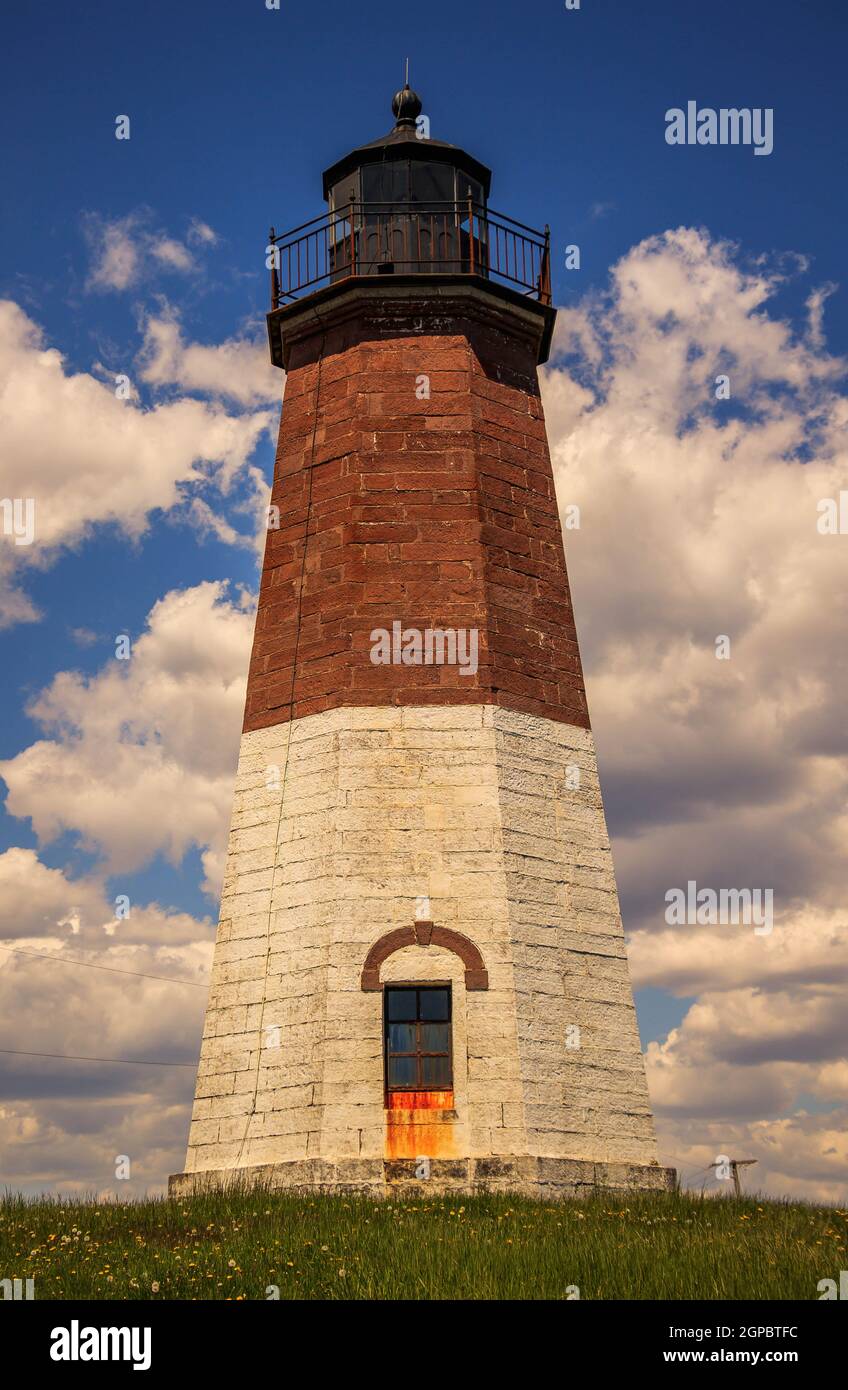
(234, 1245)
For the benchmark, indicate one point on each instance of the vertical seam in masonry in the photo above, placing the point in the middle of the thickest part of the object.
(310, 470)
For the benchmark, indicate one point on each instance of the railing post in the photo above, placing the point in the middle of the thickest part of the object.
(545, 277)
(352, 242)
(275, 279)
(471, 232)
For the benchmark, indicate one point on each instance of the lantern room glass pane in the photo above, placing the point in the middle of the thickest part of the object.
(344, 193)
(386, 183)
(433, 183)
(466, 188)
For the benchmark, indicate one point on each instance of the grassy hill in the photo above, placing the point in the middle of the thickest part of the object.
(236, 1245)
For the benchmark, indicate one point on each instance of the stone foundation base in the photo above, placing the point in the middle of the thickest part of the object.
(550, 1179)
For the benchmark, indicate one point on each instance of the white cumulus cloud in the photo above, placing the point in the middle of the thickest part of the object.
(87, 458)
(698, 519)
(238, 369)
(140, 758)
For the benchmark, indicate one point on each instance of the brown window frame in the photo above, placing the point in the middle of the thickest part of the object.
(418, 1053)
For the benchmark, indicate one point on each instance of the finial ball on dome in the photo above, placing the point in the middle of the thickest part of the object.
(406, 106)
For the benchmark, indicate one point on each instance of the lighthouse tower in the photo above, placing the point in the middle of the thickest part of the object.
(420, 981)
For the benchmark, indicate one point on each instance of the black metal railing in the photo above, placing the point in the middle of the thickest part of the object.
(448, 238)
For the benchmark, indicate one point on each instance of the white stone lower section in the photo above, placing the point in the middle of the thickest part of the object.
(342, 821)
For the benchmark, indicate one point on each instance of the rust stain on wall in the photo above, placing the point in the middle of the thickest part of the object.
(420, 1124)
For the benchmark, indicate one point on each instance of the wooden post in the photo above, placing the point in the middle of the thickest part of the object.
(735, 1165)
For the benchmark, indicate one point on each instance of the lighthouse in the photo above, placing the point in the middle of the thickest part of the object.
(420, 981)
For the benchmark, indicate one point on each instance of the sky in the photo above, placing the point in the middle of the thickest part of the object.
(144, 259)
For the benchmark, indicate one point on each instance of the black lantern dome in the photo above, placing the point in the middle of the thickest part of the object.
(406, 203)
(406, 165)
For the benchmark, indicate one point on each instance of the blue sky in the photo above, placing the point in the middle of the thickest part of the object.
(236, 109)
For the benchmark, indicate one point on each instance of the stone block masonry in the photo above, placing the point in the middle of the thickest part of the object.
(374, 808)
(438, 511)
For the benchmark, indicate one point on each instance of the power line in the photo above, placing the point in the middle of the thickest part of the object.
(91, 965)
(125, 1061)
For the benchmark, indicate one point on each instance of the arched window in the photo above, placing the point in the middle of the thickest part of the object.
(425, 934)
(417, 1035)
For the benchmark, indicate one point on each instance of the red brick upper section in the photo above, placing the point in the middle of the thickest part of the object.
(437, 513)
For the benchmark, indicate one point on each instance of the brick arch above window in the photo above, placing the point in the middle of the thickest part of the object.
(425, 934)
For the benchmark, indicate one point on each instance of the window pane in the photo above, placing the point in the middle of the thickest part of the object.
(432, 183)
(435, 1071)
(434, 1004)
(400, 1003)
(386, 183)
(402, 1037)
(403, 1072)
(435, 1037)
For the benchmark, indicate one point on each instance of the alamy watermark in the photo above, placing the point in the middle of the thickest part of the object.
(82, 1343)
(710, 907)
(827, 1288)
(728, 125)
(434, 646)
(17, 517)
(17, 1290)
(833, 515)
